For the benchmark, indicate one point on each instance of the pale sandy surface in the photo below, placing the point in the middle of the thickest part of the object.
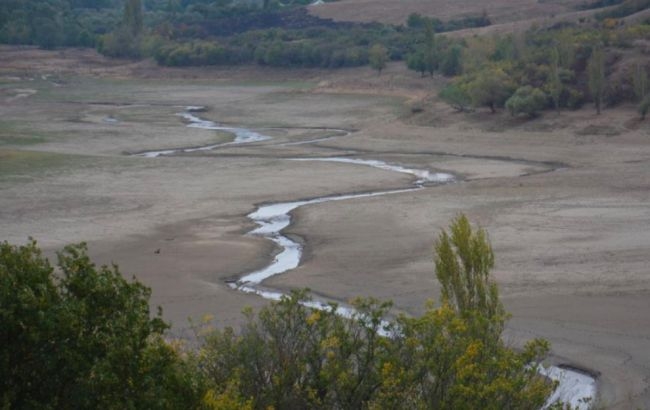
(565, 200)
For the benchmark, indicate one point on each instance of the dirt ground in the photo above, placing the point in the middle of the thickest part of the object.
(397, 12)
(565, 198)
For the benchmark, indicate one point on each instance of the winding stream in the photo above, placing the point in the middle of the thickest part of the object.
(272, 219)
(242, 135)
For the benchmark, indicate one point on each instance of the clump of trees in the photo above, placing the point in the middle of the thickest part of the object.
(542, 68)
(126, 39)
(56, 23)
(84, 338)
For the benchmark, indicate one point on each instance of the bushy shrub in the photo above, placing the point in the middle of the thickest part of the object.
(527, 100)
(83, 338)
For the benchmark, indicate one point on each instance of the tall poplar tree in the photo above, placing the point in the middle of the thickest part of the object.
(133, 16)
(596, 71)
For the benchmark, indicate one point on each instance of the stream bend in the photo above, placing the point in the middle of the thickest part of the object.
(271, 219)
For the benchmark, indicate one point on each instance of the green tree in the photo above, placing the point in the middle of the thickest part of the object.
(430, 48)
(378, 57)
(455, 95)
(451, 62)
(554, 81)
(640, 82)
(132, 18)
(83, 338)
(415, 61)
(491, 87)
(596, 73)
(526, 100)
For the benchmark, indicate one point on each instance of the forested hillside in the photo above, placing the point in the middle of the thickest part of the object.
(600, 59)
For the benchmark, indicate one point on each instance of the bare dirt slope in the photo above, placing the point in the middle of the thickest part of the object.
(396, 12)
(565, 199)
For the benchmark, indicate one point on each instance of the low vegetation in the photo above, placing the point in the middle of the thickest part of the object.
(82, 337)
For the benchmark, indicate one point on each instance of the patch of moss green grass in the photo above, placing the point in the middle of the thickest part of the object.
(25, 166)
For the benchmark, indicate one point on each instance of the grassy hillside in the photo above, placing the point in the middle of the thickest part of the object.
(397, 12)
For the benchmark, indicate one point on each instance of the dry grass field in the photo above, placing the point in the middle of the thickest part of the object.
(396, 12)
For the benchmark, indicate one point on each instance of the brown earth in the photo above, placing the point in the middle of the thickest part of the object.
(397, 12)
(564, 198)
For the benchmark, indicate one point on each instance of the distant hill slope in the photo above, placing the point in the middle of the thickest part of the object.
(397, 11)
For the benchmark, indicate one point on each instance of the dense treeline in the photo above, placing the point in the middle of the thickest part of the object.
(84, 339)
(55, 23)
(276, 37)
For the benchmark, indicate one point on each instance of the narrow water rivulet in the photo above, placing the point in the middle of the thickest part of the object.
(271, 219)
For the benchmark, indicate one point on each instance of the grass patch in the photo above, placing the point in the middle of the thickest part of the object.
(27, 165)
(12, 134)
(21, 139)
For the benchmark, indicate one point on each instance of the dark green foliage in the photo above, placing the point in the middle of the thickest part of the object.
(55, 23)
(132, 20)
(527, 100)
(451, 61)
(416, 20)
(416, 62)
(278, 48)
(83, 338)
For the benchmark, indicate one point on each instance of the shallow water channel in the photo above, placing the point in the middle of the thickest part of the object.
(574, 387)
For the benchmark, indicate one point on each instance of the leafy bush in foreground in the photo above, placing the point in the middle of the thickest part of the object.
(82, 339)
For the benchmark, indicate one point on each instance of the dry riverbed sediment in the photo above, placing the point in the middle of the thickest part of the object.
(566, 205)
